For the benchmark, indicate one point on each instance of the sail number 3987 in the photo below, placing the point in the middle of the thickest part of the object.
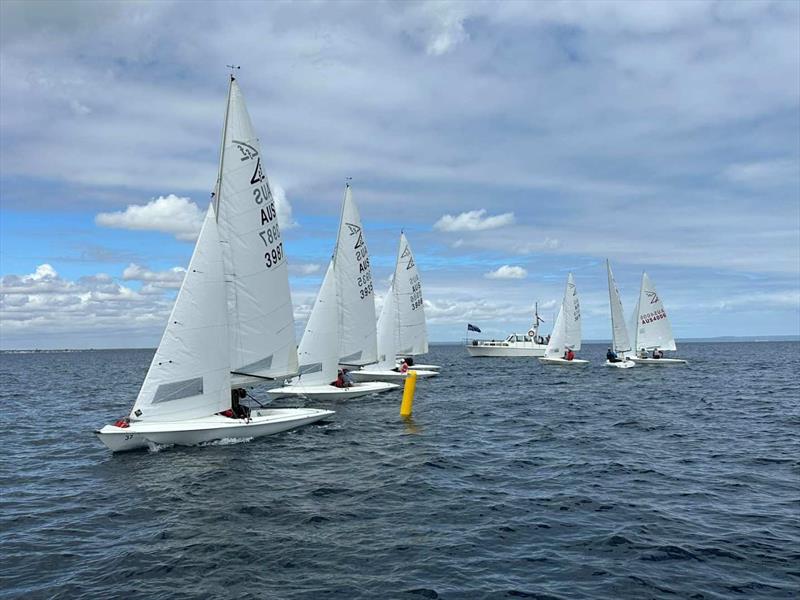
(274, 256)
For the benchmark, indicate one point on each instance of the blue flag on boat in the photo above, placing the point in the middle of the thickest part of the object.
(471, 327)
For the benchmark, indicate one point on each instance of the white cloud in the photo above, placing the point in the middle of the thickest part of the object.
(283, 207)
(448, 31)
(507, 272)
(169, 214)
(769, 172)
(303, 269)
(473, 220)
(169, 279)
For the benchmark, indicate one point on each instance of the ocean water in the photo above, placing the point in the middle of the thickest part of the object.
(512, 480)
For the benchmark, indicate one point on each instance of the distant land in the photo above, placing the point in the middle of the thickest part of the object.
(725, 339)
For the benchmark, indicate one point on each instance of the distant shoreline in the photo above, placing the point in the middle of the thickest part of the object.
(712, 340)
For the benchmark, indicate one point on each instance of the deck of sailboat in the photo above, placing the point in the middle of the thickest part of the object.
(190, 432)
(659, 362)
(325, 391)
(554, 360)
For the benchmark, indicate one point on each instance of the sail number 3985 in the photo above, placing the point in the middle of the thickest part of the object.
(274, 256)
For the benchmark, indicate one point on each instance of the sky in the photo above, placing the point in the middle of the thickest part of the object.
(513, 142)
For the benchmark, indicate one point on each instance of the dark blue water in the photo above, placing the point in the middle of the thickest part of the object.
(513, 480)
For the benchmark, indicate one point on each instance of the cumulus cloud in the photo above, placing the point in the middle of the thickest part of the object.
(303, 269)
(473, 220)
(169, 279)
(507, 272)
(283, 207)
(43, 305)
(170, 214)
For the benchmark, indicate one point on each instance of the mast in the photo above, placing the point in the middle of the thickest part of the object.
(218, 185)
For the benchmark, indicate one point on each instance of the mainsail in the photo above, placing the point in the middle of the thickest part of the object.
(619, 333)
(261, 338)
(189, 375)
(357, 329)
(412, 335)
(651, 326)
(319, 350)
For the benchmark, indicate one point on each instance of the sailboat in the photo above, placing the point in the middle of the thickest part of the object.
(411, 332)
(402, 321)
(650, 327)
(620, 342)
(566, 334)
(341, 329)
(232, 322)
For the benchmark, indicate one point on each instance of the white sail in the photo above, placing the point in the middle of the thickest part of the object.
(652, 328)
(566, 332)
(387, 332)
(412, 334)
(558, 337)
(357, 329)
(261, 336)
(319, 347)
(572, 320)
(189, 376)
(619, 332)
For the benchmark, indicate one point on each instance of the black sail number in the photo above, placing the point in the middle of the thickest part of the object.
(274, 256)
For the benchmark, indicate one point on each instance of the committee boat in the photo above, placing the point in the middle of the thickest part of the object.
(516, 344)
(566, 337)
(341, 331)
(620, 341)
(232, 322)
(651, 329)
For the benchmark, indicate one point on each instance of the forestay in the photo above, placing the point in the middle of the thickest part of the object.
(412, 335)
(189, 375)
(620, 340)
(261, 340)
(357, 328)
(651, 328)
(319, 352)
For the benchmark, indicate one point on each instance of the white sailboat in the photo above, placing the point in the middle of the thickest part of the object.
(232, 321)
(651, 329)
(566, 334)
(620, 342)
(389, 325)
(319, 353)
(341, 328)
(412, 332)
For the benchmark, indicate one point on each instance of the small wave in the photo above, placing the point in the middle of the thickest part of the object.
(227, 441)
(155, 447)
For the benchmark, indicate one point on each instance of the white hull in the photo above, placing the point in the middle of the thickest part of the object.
(659, 362)
(141, 434)
(563, 361)
(416, 367)
(498, 350)
(330, 392)
(626, 363)
(376, 375)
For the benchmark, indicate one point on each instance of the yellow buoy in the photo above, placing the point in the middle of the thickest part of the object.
(408, 394)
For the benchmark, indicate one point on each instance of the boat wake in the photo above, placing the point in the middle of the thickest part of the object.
(229, 441)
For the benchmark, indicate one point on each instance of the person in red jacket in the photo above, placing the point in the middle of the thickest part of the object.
(569, 355)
